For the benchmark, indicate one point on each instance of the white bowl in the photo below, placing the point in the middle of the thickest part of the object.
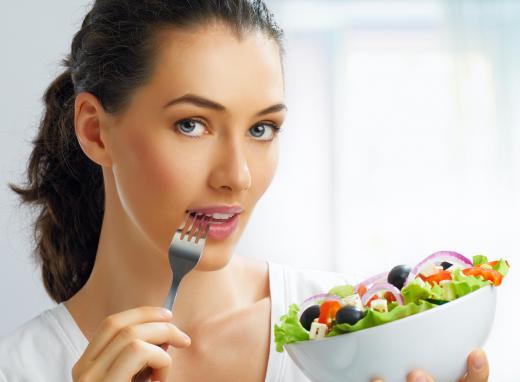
(438, 340)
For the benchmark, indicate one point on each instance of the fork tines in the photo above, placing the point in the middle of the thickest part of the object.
(196, 224)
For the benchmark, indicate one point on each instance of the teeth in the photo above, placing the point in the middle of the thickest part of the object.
(221, 216)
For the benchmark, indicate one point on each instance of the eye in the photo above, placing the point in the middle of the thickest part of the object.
(191, 127)
(264, 131)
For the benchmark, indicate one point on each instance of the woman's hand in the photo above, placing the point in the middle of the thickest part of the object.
(125, 343)
(478, 370)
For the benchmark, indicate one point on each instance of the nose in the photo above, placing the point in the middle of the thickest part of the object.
(231, 170)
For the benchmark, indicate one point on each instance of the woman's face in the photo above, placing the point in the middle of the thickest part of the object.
(201, 133)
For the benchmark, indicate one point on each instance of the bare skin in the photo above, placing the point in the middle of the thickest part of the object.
(153, 172)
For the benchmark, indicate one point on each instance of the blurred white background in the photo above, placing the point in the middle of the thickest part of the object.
(402, 139)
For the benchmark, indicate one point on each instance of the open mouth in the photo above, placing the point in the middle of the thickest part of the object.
(216, 218)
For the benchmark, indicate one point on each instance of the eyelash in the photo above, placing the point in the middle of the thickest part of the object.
(276, 130)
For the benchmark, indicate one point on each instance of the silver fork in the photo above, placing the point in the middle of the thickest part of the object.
(184, 253)
(185, 250)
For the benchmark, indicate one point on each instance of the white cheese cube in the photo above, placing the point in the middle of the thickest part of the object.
(317, 331)
(380, 305)
(353, 300)
(430, 269)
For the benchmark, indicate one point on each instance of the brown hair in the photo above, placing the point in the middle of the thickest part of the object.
(111, 55)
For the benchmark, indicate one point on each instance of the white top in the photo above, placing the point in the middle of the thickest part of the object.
(45, 348)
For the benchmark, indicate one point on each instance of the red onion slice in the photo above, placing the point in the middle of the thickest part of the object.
(313, 300)
(386, 287)
(438, 257)
(380, 277)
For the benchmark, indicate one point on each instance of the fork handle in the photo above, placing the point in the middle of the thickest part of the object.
(182, 267)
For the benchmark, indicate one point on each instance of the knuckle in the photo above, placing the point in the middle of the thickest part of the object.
(128, 332)
(134, 347)
(111, 323)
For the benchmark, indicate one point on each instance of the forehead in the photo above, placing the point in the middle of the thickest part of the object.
(212, 61)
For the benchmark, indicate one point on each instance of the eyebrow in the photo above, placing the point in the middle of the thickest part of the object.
(206, 103)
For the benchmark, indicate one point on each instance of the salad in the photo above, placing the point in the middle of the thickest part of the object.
(403, 291)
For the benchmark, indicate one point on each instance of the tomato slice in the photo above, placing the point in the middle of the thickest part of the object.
(328, 311)
(374, 297)
(389, 297)
(437, 277)
(489, 274)
(362, 289)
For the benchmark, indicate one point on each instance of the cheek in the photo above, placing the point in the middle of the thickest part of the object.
(263, 167)
(155, 182)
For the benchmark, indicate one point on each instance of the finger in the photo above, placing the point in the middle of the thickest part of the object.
(111, 325)
(157, 333)
(478, 367)
(377, 380)
(419, 375)
(134, 358)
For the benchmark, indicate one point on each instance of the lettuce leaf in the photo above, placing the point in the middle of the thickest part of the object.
(463, 284)
(417, 290)
(374, 318)
(501, 267)
(342, 290)
(479, 259)
(290, 329)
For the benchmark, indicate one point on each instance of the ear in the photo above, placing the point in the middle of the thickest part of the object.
(90, 125)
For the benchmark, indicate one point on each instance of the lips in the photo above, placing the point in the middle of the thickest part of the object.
(224, 219)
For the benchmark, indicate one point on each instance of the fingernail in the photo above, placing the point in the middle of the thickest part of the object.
(419, 378)
(479, 361)
(166, 313)
(186, 338)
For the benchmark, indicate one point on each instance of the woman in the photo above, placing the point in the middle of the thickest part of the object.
(164, 107)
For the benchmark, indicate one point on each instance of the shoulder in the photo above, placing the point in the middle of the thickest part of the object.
(36, 350)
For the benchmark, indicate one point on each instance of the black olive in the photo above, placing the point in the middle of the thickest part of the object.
(349, 314)
(397, 276)
(309, 315)
(446, 265)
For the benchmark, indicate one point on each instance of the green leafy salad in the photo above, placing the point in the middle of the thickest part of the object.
(403, 291)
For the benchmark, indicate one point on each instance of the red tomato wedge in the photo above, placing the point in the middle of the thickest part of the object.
(489, 274)
(389, 297)
(374, 297)
(437, 277)
(328, 311)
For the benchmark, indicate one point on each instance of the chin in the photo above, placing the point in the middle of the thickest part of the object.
(218, 253)
(214, 259)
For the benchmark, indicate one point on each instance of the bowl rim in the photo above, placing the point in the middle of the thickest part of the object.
(438, 308)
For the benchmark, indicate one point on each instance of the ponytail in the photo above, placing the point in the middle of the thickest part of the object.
(67, 188)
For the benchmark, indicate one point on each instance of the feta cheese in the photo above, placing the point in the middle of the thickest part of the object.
(430, 269)
(380, 305)
(353, 300)
(317, 331)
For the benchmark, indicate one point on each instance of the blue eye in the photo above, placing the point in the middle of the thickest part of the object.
(194, 128)
(258, 131)
(190, 126)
